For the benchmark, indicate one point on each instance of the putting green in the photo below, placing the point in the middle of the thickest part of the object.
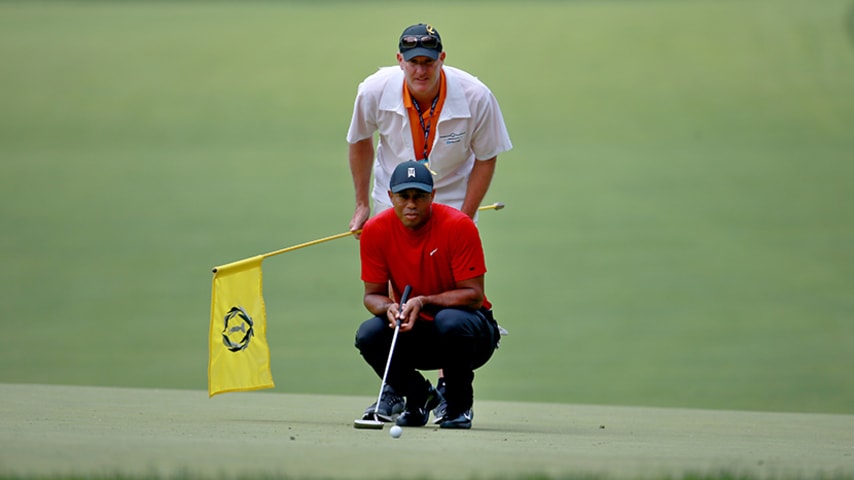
(60, 431)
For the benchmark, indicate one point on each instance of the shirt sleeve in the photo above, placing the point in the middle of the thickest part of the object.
(490, 136)
(372, 255)
(363, 123)
(468, 260)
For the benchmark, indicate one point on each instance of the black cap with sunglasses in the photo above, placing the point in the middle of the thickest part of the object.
(420, 41)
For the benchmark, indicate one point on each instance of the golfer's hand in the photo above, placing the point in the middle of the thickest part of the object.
(409, 314)
(393, 313)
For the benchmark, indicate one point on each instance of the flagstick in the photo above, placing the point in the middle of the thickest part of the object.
(308, 244)
(494, 206)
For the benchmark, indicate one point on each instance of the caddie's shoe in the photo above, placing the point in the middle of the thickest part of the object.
(461, 420)
(416, 414)
(391, 405)
(441, 409)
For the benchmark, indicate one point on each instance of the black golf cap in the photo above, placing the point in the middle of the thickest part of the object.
(411, 174)
(419, 49)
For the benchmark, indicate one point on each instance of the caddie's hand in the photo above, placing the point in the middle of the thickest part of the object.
(409, 314)
(360, 216)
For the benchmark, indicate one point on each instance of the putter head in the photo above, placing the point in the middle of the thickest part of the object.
(368, 423)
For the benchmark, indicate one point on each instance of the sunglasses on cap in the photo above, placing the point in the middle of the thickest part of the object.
(426, 41)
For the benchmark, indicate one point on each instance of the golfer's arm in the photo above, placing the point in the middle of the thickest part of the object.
(376, 299)
(361, 156)
(481, 177)
(468, 294)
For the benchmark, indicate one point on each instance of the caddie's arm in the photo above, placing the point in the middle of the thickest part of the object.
(361, 157)
(479, 180)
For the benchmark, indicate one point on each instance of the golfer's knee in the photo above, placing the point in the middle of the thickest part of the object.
(453, 322)
(370, 333)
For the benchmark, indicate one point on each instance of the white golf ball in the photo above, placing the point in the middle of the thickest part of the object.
(395, 431)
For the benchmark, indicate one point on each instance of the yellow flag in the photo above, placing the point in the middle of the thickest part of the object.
(239, 355)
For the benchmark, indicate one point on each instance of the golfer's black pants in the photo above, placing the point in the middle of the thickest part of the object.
(457, 341)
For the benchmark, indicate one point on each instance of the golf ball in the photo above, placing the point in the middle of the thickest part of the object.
(395, 431)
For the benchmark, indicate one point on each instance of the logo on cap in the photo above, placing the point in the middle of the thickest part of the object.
(410, 172)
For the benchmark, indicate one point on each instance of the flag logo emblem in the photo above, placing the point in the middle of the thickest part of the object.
(237, 330)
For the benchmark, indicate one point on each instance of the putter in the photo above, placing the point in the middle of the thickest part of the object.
(374, 423)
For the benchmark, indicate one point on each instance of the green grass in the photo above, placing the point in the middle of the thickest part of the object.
(678, 226)
(53, 431)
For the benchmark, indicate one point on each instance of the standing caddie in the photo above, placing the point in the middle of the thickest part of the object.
(426, 111)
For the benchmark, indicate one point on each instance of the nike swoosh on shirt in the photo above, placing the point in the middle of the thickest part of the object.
(434, 251)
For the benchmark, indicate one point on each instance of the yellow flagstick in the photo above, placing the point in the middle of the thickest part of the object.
(308, 244)
(494, 206)
(295, 247)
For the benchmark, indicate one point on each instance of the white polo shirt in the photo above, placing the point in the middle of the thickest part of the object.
(470, 128)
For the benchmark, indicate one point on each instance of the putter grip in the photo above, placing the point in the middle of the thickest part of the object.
(403, 298)
(406, 291)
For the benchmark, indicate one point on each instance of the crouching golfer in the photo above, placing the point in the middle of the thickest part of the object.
(447, 321)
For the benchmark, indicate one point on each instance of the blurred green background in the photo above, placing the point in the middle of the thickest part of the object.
(679, 228)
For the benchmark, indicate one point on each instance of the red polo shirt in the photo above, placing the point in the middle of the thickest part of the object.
(432, 259)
